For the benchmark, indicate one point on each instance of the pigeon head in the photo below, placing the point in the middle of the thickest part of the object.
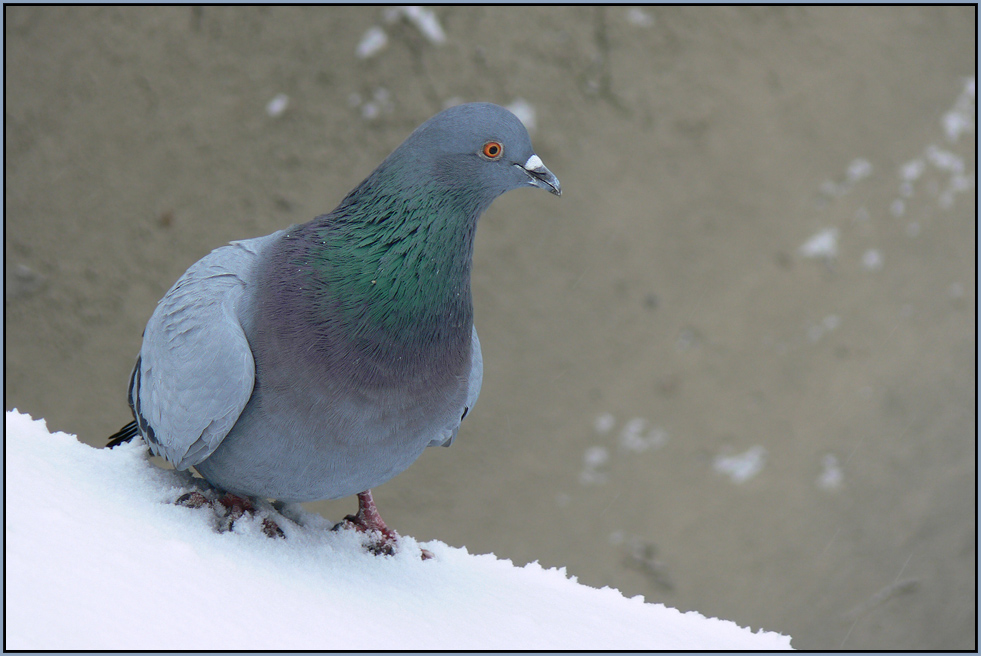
(476, 150)
(392, 262)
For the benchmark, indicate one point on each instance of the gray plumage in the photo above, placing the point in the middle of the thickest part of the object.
(320, 361)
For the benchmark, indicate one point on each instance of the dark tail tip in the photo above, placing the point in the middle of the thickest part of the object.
(124, 434)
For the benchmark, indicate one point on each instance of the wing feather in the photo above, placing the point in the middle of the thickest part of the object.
(196, 372)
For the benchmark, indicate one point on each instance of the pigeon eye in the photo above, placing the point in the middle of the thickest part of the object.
(492, 150)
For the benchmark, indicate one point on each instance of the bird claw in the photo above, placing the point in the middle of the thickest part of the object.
(378, 541)
(388, 547)
(382, 541)
(192, 500)
(271, 529)
(229, 508)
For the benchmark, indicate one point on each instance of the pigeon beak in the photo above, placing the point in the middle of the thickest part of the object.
(541, 177)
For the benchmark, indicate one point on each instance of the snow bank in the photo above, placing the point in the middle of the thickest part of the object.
(98, 557)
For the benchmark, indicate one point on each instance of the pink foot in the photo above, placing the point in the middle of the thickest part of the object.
(229, 507)
(238, 506)
(367, 520)
(192, 500)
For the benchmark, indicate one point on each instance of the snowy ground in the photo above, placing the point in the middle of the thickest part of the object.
(97, 557)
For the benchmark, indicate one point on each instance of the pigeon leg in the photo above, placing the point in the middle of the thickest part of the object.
(193, 500)
(368, 519)
(238, 506)
(228, 508)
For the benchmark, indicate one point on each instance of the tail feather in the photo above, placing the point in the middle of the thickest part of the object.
(124, 434)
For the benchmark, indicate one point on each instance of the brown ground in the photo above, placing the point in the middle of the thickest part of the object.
(666, 284)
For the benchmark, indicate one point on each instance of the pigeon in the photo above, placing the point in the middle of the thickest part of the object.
(320, 361)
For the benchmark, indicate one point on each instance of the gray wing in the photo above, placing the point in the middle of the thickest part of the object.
(473, 391)
(195, 372)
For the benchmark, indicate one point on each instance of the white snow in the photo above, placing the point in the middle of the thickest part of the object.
(373, 42)
(936, 162)
(604, 423)
(828, 324)
(525, 112)
(632, 436)
(742, 467)
(831, 476)
(375, 38)
(858, 169)
(823, 245)
(898, 207)
(944, 159)
(912, 170)
(960, 119)
(592, 459)
(381, 102)
(277, 105)
(97, 556)
(424, 19)
(640, 18)
(872, 259)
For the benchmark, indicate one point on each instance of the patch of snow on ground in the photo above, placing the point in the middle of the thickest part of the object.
(831, 476)
(823, 245)
(373, 42)
(277, 105)
(381, 102)
(97, 557)
(858, 169)
(639, 17)
(525, 112)
(634, 439)
(828, 324)
(592, 459)
(424, 19)
(742, 467)
(604, 423)
(960, 119)
(872, 259)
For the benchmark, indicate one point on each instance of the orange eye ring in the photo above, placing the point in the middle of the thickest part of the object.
(492, 150)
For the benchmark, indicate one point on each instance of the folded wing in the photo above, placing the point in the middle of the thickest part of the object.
(195, 372)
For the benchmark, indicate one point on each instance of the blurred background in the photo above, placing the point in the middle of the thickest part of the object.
(732, 369)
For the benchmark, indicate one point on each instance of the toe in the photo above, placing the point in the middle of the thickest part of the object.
(192, 500)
